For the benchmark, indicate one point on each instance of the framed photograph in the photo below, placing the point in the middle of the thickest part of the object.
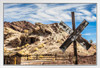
(49, 34)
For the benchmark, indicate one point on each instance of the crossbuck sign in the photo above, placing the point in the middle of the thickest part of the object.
(74, 35)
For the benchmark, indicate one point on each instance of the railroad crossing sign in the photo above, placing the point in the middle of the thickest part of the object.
(74, 35)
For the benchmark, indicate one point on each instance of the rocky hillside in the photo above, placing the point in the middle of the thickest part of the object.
(27, 38)
(19, 25)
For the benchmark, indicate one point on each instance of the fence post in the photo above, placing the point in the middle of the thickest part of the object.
(15, 60)
(55, 56)
(27, 57)
(36, 56)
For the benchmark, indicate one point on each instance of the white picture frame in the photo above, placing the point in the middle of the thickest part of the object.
(49, 1)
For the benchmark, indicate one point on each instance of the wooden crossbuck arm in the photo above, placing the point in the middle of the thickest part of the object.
(84, 42)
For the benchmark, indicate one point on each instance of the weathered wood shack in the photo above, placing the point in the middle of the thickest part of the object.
(12, 58)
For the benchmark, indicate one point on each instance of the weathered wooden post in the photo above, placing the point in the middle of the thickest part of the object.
(15, 60)
(55, 56)
(27, 56)
(74, 42)
(36, 56)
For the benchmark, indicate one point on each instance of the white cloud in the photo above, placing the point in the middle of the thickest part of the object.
(94, 10)
(46, 13)
(85, 12)
(88, 34)
(91, 19)
(82, 10)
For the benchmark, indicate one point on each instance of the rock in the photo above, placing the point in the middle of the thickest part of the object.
(20, 25)
(15, 42)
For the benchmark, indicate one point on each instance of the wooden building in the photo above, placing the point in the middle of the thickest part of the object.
(12, 58)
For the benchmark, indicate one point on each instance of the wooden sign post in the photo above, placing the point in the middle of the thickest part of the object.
(74, 43)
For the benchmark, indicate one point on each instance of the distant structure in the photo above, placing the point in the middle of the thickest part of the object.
(12, 58)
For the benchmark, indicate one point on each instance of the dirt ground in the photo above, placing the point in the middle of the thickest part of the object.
(82, 60)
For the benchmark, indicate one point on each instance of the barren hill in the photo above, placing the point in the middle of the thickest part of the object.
(38, 38)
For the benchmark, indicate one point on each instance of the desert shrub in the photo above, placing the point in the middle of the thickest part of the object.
(40, 56)
(91, 41)
(40, 46)
(22, 52)
(25, 31)
(30, 57)
(58, 41)
(18, 48)
(36, 49)
(26, 45)
(43, 45)
(35, 53)
(22, 46)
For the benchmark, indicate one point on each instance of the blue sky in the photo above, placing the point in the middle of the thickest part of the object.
(51, 13)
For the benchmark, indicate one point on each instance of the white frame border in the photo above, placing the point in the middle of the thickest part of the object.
(49, 1)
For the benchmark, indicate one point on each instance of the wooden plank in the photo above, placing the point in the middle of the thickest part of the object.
(14, 60)
(74, 35)
(84, 43)
(65, 27)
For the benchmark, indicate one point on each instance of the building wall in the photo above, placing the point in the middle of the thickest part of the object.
(12, 60)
